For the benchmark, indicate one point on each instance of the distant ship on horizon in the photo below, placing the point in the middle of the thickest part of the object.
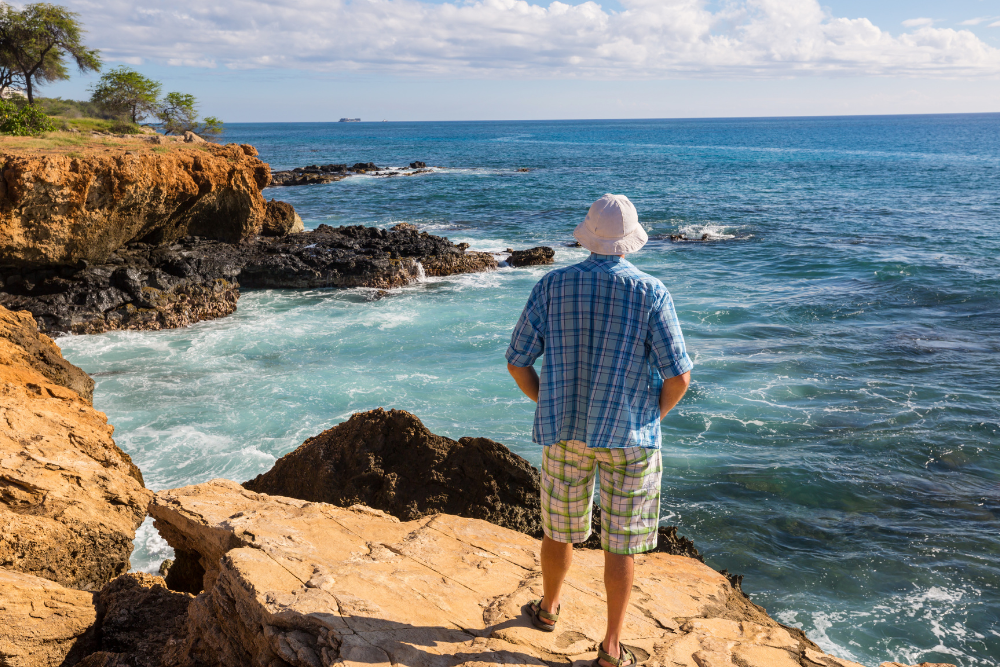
(350, 120)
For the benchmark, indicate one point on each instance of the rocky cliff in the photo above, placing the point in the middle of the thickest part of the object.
(70, 499)
(57, 210)
(141, 235)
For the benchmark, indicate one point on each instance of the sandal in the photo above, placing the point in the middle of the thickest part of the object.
(537, 614)
(627, 657)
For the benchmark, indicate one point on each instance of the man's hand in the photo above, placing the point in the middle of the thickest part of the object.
(527, 381)
(672, 392)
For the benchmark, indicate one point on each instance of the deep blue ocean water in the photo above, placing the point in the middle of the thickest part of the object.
(838, 445)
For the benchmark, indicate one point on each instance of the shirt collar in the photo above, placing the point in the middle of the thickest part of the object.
(612, 259)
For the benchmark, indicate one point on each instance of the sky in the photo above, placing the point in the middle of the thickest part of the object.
(405, 60)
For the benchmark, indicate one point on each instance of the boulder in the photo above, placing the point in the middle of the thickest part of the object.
(418, 165)
(70, 499)
(532, 256)
(391, 461)
(292, 582)
(43, 624)
(280, 218)
(57, 210)
(192, 138)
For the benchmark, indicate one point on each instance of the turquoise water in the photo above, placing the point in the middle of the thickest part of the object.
(838, 443)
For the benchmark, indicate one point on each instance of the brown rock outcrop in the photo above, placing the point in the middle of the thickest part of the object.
(43, 624)
(58, 210)
(290, 582)
(70, 499)
(391, 461)
(21, 346)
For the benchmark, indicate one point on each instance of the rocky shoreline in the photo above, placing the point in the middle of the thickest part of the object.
(147, 287)
(154, 241)
(330, 173)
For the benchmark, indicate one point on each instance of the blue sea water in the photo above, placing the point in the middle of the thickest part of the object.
(838, 445)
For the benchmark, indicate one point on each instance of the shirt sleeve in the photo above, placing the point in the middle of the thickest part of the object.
(528, 340)
(666, 342)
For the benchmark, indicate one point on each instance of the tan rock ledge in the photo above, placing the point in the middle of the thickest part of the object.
(43, 624)
(289, 582)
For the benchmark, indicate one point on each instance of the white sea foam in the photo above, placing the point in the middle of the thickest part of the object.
(150, 549)
(715, 232)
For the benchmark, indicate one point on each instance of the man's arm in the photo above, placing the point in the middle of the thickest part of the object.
(527, 381)
(672, 392)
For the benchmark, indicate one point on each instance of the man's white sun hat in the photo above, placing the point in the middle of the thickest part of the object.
(611, 227)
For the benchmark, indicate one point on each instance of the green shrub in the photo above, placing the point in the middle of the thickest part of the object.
(56, 106)
(23, 121)
(124, 127)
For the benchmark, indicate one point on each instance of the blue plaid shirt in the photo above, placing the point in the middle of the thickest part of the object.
(610, 336)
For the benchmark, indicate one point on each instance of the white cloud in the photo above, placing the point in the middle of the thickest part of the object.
(994, 25)
(650, 38)
(977, 20)
(918, 23)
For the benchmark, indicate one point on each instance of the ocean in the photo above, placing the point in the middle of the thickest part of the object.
(838, 445)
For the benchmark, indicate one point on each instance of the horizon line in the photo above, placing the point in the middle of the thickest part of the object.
(592, 120)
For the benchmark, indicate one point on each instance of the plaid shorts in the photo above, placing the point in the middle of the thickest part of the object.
(630, 494)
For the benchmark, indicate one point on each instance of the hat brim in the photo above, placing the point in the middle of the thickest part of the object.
(629, 243)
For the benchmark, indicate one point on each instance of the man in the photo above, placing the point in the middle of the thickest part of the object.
(614, 365)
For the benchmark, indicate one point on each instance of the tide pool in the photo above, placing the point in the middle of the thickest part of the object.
(838, 442)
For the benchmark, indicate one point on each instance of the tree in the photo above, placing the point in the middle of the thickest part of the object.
(123, 92)
(37, 40)
(179, 114)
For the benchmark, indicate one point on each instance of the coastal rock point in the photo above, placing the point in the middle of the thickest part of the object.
(57, 210)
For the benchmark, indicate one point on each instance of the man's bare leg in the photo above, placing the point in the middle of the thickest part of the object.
(618, 573)
(556, 559)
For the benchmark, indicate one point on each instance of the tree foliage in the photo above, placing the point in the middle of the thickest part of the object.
(23, 120)
(124, 93)
(178, 113)
(36, 41)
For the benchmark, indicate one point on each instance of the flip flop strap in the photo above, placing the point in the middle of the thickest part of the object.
(541, 613)
(617, 662)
